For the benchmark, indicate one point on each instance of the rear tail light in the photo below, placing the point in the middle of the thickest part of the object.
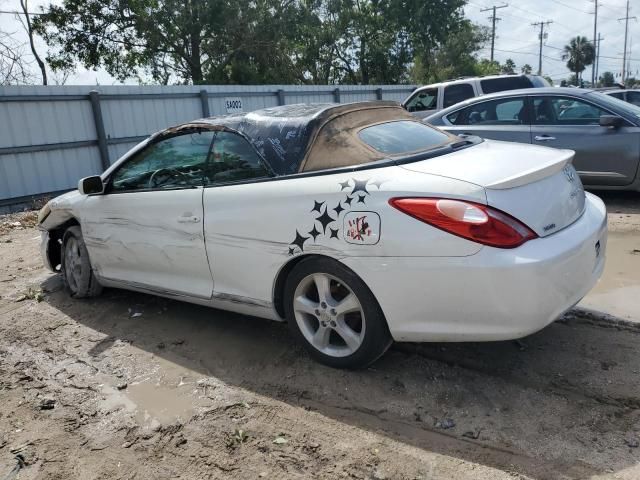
(472, 221)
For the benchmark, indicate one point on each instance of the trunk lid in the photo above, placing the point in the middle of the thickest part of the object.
(536, 185)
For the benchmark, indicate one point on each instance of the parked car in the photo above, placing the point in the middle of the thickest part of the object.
(358, 224)
(603, 131)
(429, 99)
(631, 95)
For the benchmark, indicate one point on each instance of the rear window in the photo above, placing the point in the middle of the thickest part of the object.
(457, 93)
(402, 137)
(491, 85)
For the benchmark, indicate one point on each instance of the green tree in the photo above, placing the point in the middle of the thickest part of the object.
(487, 67)
(261, 41)
(607, 79)
(508, 67)
(526, 69)
(579, 54)
(456, 57)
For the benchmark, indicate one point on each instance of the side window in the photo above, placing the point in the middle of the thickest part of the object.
(175, 162)
(509, 111)
(618, 95)
(565, 111)
(423, 100)
(500, 84)
(634, 98)
(232, 159)
(457, 93)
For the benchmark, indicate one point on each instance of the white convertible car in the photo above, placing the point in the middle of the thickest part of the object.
(356, 223)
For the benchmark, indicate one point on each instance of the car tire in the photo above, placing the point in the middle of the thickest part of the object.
(332, 312)
(75, 266)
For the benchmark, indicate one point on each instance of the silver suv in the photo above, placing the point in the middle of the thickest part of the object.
(429, 99)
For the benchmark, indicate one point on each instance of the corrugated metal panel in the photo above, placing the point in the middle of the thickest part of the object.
(41, 117)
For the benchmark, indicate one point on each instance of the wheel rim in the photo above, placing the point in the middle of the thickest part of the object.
(72, 263)
(329, 315)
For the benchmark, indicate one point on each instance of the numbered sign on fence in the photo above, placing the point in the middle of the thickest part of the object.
(233, 104)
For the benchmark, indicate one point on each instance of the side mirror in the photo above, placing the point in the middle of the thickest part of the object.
(612, 121)
(90, 185)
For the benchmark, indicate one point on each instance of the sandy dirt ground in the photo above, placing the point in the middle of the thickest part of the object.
(131, 386)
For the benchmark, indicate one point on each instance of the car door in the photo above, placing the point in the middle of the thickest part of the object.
(604, 155)
(146, 230)
(235, 196)
(500, 119)
(423, 103)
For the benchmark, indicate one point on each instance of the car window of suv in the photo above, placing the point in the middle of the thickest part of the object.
(232, 159)
(423, 100)
(633, 98)
(492, 85)
(457, 93)
(565, 111)
(619, 95)
(506, 111)
(175, 162)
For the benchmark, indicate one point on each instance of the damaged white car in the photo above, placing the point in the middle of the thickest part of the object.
(356, 223)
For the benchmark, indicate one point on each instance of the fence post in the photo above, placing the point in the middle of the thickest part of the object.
(336, 95)
(281, 99)
(379, 93)
(94, 98)
(204, 100)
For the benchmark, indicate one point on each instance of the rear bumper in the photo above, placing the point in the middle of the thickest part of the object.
(495, 294)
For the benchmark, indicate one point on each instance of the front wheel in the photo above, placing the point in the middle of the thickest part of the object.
(75, 266)
(334, 314)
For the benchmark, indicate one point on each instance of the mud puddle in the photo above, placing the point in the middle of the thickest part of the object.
(618, 291)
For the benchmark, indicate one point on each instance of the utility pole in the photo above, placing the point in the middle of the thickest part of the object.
(626, 33)
(597, 65)
(595, 29)
(493, 19)
(541, 25)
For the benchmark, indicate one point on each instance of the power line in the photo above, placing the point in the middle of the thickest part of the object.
(493, 24)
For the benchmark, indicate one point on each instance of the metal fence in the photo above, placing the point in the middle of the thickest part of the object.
(50, 136)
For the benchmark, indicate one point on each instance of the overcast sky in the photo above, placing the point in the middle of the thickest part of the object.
(516, 37)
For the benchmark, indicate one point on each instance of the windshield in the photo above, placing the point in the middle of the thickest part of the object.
(402, 137)
(616, 104)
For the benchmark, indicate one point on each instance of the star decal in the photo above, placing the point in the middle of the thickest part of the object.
(360, 186)
(377, 183)
(299, 241)
(291, 250)
(361, 198)
(317, 206)
(338, 209)
(325, 219)
(344, 185)
(348, 200)
(334, 233)
(314, 233)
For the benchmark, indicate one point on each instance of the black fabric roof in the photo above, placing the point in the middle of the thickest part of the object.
(282, 134)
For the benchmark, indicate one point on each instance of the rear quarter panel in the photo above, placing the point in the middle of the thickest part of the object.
(253, 230)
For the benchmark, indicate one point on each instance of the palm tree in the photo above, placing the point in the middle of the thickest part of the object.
(579, 53)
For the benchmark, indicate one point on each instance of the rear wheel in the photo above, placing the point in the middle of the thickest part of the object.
(334, 314)
(75, 266)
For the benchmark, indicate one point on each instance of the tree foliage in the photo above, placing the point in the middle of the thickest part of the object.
(579, 54)
(607, 79)
(263, 41)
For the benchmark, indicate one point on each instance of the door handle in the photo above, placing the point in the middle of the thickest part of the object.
(189, 219)
(543, 138)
